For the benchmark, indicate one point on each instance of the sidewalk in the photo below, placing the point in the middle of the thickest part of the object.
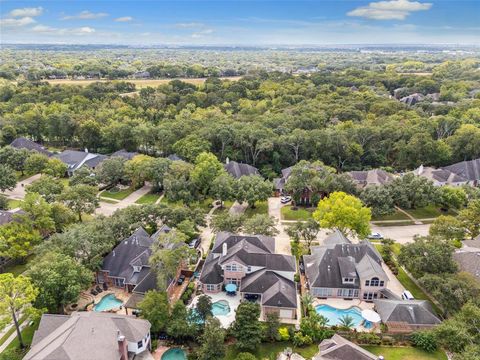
(13, 336)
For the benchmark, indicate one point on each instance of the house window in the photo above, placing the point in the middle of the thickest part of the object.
(367, 283)
(348, 280)
(324, 292)
(382, 283)
(232, 267)
(118, 282)
(232, 281)
(249, 268)
(374, 282)
(140, 344)
(211, 287)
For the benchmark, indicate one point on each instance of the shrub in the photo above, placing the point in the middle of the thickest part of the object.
(300, 340)
(368, 338)
(425, 340)
(3, 202)
(284, 334)
(296, 277)
(188, 293)
(246, 356)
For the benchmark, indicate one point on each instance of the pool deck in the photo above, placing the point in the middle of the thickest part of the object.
(119, 294)
(157, 354)
(233, 302)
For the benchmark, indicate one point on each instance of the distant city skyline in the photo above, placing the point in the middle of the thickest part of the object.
(254, 23)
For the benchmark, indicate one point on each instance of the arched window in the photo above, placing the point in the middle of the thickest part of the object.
(375, 281)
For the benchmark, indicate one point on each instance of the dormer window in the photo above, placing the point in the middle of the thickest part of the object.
(348, 280)
(137, 269)
(232, 267)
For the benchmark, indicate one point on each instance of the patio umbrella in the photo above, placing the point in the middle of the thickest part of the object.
(371, 316)
(231, 288)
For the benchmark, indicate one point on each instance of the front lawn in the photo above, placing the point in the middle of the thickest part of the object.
(19, 268)
(116, 194)
(261, 207)
(149, 198)
(428, 212)
(405, 353)
(299, 214)
(397, 215)
(13, 204)
(27, 336)
(270, 350)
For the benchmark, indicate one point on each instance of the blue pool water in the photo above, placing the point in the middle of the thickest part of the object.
(334, 315)
(108, 302)
(174, 354)
(220, 307)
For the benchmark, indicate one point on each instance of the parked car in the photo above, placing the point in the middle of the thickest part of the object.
(194, 243)
(181, 279)
(285, 199)
(375, 235)
(407, 295)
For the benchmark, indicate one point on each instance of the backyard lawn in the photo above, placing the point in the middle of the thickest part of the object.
(261, 207)
(300, 214)
(116, 194)
(149, 198)
(405, 353)
(270, 350)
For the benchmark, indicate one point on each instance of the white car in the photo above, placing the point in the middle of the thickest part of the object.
(285, 199)
(375, 235)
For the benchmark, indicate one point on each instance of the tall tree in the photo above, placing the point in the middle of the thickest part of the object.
(345, 213)
(247, 328)
(8, 179)
(179, 326)
(80, 199)
(16, 296)
(111, 171)
(204, 307)
(212, 341)
(306, 231)
(260, 224)
(207, 168)
(155, 308)
(252, 189)
(222, 188)
(47, 186)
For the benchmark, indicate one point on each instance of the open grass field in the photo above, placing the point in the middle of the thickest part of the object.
(139, 83)
(405, 353)
(300, 214)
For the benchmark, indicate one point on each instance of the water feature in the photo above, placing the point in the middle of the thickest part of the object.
(174, 354)
(220, 307)
(108, 302)
(333, 315)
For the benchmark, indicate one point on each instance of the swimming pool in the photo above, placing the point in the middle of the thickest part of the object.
(174, 354)
(333, 315)
(220, 307)
(108, 302)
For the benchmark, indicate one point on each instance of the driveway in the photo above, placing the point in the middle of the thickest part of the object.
(282, 240)
(206, 232)
(19, 192)
(108, 209)
(402, 234)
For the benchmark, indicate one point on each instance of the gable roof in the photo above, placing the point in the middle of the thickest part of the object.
(327, 265)
(24, 143)
(76, 159)
(339, 348)
(468, 261)
(10, 215)
(237, 170)
(84, 335)
(469, 170)
(440, 176)
(336, 237)
(370, 177)
(127, 155)
(413, 312)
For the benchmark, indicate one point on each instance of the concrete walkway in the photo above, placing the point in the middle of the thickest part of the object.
(282, 240)
(18, 193)
(415, 221)
(206, 233)
(108, 209)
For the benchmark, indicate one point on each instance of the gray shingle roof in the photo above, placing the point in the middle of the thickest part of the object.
(370, 177)
(24, 143)
(237, 170)
(413, 312)
(336, 237)
(475, 243)
(9, 216)
(468, 261)
(84, 335)
(442, 176)
(469, 170)
(127, 155)
(339, 348)
(75, 159)
(324, 267)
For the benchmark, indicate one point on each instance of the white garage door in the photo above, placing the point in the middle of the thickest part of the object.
(286, 314)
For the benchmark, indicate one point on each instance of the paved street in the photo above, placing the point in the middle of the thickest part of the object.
(19, 192)
(402, 234)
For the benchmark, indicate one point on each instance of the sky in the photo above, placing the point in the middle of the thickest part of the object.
(240, 22)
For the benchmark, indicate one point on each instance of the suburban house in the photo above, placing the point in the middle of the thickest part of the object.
(474, 243)
(251, 264)
(370, 177)
(338, 347)
(7, 216)
(469, 170)
(127, 155)
(468, 261)
(24, 143)
(237, 170)
(76, 159)
(279, 185)
(174, 157)
(406, 316)
(440, 177)
(340, 269)
(89, 335)
(412, 99)
(127, 266)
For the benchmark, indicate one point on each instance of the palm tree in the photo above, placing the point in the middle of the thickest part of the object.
(307, 301)
(346, 321)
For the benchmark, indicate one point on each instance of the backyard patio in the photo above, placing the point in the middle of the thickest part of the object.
(222, 298)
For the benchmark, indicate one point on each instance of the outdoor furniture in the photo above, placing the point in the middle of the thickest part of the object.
(370, 316)
(105, 286)
(231, 289)
(93, 292)
(98, 289)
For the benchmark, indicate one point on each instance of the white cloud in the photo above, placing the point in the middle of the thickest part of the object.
(189, 25)
(202, 33)
(11, 22)
(44, 29)
(389, 10)
(27, 12)
(124, 19)
(85, 15)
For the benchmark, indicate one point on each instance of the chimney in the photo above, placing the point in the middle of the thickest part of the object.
(224, 249)
(420, 170)
(113, 253)
(86, 150)
(227, 160)
(122, 346)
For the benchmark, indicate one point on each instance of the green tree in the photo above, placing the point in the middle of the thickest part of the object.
(314, 326)
(80, 199)
(212, 341)
(16, 296)
(111, 171)
(344, 213)
(379, 199)
(36, 163)
(47, 186)
(448, 228)
(207, 168)
(245, 356)
(272, 324)
(17, 239)
(306, 231)
(252, 189)
(158, 169)
(450, 197)
(55, 167)
(8, 179)
(227, 222)
(15, 158)
(470, 218)
(246, 327)
(204, 307)
(260, 224)
(411, 192)
(425, 340)
(222, 188)
(427, 255)
(4, 202)
(83, 176)
(39, 212)
(178, 326)
(137, 170)
(155, 308)
(60, 280)
(190, 147)
(62, 216)
(347, 322)
(178, 184)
